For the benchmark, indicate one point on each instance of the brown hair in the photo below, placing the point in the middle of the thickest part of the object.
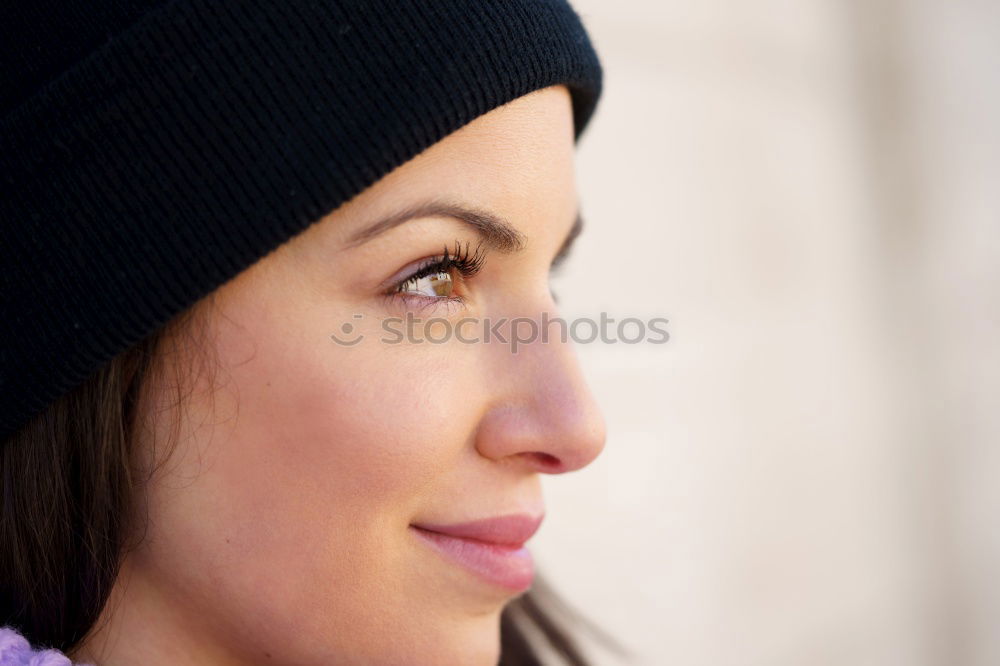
(70, 509)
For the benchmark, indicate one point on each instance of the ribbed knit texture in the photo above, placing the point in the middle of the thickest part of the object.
(150, 151)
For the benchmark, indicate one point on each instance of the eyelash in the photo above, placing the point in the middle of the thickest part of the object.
(466, 261)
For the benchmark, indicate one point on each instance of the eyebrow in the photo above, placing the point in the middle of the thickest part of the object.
(496, 232)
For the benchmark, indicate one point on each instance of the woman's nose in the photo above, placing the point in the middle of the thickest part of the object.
(543, 415)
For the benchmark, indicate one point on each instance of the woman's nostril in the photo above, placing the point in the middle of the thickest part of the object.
(547, 462)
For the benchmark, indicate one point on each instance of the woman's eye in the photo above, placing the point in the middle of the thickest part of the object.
(442, 278)
(434, 285)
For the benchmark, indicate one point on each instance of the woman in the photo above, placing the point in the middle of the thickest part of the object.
(214, 452)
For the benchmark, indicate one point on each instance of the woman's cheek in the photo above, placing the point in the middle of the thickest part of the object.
(363, 428)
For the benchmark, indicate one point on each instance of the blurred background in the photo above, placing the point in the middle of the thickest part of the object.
(808, 472)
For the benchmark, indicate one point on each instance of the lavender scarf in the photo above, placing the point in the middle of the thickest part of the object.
(16, 651)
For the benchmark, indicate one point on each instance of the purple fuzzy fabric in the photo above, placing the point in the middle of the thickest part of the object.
(16, 651)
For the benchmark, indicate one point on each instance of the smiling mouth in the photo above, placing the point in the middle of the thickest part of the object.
(493, 549)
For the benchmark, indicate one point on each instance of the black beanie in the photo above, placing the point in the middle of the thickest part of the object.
(150, 150)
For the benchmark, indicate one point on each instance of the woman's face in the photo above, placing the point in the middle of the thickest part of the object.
(281, 528)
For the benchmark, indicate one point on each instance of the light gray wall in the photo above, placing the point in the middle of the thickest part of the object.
(809, 471)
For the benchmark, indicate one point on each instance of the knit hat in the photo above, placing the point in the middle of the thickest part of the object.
(150, 150)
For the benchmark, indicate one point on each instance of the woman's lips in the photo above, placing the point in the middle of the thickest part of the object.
(493, 548)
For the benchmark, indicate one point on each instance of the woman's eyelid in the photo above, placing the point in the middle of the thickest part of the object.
(464, 255)
(446, 259)
(562, 256)
(422, 303)
(566, 249)
(410, 270)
